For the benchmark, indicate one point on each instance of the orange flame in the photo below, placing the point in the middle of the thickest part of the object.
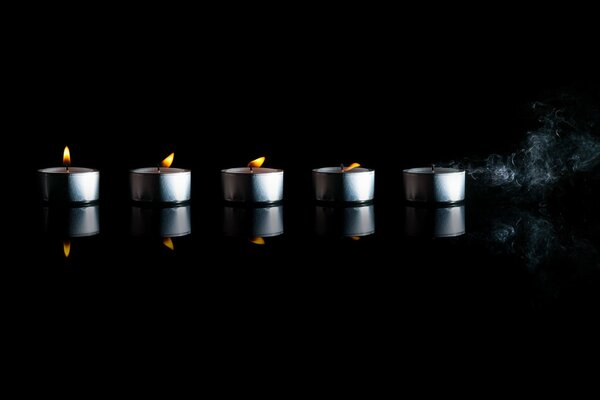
(257, 240)
(66, 157)
(256, 163)
(67, 248)
(351, 166)
(167, 161)
(355, 237)
(168, 243)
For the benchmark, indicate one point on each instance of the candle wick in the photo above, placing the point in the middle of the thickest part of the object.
(158, 168)
(342, 166)
(433, 168)
(67, 167)
(251, 169)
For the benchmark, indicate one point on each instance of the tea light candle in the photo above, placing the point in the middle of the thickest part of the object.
(434, 185)
(161, 184)
(252, 184)
(344, 184)
(69, 184)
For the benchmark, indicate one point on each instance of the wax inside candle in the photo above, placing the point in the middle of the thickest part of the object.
(246, 170)
(155, 170)
(338, 170)
(428, 170)
(63, 170)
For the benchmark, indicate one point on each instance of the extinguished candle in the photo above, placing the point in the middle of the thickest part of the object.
(69, 184)
(252, 184)
(161, 184)
(351, 184)
(434, 185)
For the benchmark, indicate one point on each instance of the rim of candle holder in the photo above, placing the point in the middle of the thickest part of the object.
(252, 204)
(61, 234)
(338, 171)
(429, 236)
(344, 204)
(244, 171)
(60, 171)
(433, 204)
(66, 204)
(428, 171)
(160, 203)
(153, 171)
(153, 234)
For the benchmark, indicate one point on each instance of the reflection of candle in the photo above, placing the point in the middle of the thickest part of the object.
(161, 184)
(345, 221)
(69, 184)
(164, 222)
(434, 185)
(435, 222)
(71, 222)
(338, 184)
(252, 184)
(253, 222)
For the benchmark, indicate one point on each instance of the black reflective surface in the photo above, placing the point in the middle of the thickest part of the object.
(510, 261)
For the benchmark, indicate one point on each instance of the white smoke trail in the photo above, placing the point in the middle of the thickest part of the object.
(563, 145)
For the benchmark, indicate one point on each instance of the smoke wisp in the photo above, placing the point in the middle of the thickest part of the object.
(564, 144)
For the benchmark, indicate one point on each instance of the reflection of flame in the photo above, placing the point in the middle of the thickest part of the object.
(67, 248)
(351, 166)
(167, 161)
(169, 243)
(355, 237)
(66, 157)
(257, 240)
(256, 163)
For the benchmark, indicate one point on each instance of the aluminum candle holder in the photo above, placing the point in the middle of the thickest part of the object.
(253, 221)
(252, 185)
(161, 221)
(345, 221)
(434, 185)
(333, 184)
(71, 222)
(72, 185)
(160, 185)
(436, 222)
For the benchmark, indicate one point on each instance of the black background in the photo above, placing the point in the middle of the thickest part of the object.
(304, 97)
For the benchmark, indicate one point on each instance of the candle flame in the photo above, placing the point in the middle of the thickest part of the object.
(167, 161)
(66, 157)
(257, 240)
(350, 167)
(67, 248)
(256, 163)
(168, 243)
(355, 237)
